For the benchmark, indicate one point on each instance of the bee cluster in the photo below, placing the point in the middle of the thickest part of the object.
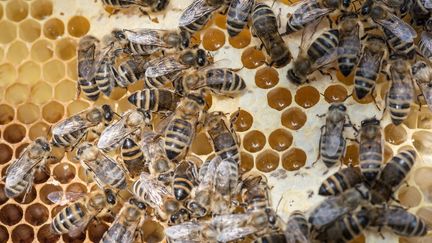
(140, 159)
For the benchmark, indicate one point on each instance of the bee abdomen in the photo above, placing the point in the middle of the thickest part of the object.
(182, 187)
(348, 61)
(299, 217)
(364, 81)
(370, 164)
(89, 88)
(324, 44)
(236, 24)
(340, 181)
(331, 159)
(133, 157)
(68, 218)
(424, 49)
(177, 138)
(398, 168)
(197, 25)
(16, 190)
(407, 48)
(145, 99)
(103, 78)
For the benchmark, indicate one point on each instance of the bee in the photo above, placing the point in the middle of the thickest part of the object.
(371, 149)
(400, 221)
(104, 170)
(155, 100)
(197, 14)
(163, 70)
(129, 71)
(87, 53)
(225, 185)
(265, 27)
(370, 64)
(185, 176)
(297, 228)
(422, 74)
(74, 218)
(311, 11)
(221, 81)
(349, 48)
(20, 174)
(392, 175)
(238, 15)
(420, 12)
(155, 5)
(336, 206)
(425, 44)
(103, 74)
(181, 216)
(114, 135)
(69, 132)
(153, 149)
(401, 92)
(128, 221)
(181, 128)
(340, 181)
(133, 157)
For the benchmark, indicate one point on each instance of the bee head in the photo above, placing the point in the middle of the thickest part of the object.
(171, 206)
(202, 58)
(417, 67)
(184, 39)
(108, 113)
(110, 197)
(370, 122)
(118, 34)
(338, 106)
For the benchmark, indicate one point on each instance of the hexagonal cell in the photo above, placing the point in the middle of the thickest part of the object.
(29, 72)
(279, 98)
(3, 197)
(213, 39)
(252, 58)
(17, 93)
(76, 239)
(412, 119)
(422, 179)
(243, 121)
(4, 234)
(78, 26)
(53, 112)
(266, 78)
(29, 30)
(5, 153)
(8, 74)
(20, 149)
(23, 233)
(153, 231)
(16, 10)
(47, 189)
(14, 133)
(17, 52)
(293, 118)
(65, 48)
(72, 69)
(40, 9)
(54, 71)
(10, 214)
(42, 175)
(29, 197)
(63, 90)
(267, 161)
(366, 100)
(1, 53)
(246, 162)
(45, 234)
(28, 113)
(293, 159)
(39, 129)
(7, 114)
(241, 40)
(64, 173)
(96, 230)
(9, 32)
(409, 196)
(424, 120)
(201, 144)
(254, 141)
(41, 93)
(76, 187)
(307, 96)
(335, 93)
(395, 134)
(280, 139)
(53, 28)
(76, 106)
(422, 141)
(426, 214)
(36, 214)
(42, 50)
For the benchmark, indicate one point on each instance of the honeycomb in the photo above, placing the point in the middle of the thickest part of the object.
(277, 121)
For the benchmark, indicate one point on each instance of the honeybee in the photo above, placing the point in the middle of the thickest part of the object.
(221, 81)
(69, 132)
(401, 92)
(74, 218)
(155, 100)
(349, 47)
(370, 64)
(130, 218)
(425, 44)
(371, 149)
(133, 157)
(392, 176)
(238, 15)
(197, 14)
(181, 128)
(335, 206)
(104, 170)
(163, 70)
(420, 12)
(297, 228)
(155, 5)
(422, 74)
(103, 75)
(265, 27)
(129, 71)
(225, 185)
(87, 52)
(114, 135)
(181, 216)
(152, 146)
(185, 176)
(340, 181)
(20, 174)
(400, 221)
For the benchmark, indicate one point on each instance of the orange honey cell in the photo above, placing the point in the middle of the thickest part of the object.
(66, 48)
(28, 113)
(395, 134)
(53, 28)
(388, 153)
(213, 39)
(220, 20)
(246, 162)
(279, 98)
(201, 144)
(351, 156)
(242, 40)
(254, 141)
(243, 122)
(252, 58)
(293, 118)
(266, 78)
(267, 161)
(293, 159)
(16, 10)
(335, 93)
(280, 139)
(307, 96)
(76, 187)
(78, 26)
(40, 9)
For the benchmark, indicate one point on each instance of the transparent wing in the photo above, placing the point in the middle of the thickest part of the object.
(307, 36)
(207, 178)
(72, 124)
(326, 212)
(333, 143)
(194, 11)
(226, 177)
(154, 191)
(398, 27)
(149, 37)
(63, 198)
(163, 66)
(21, 167)
(325, 60)
(231, 234)
(240, 8)
(185, 231)
(114, 133)
(229, 220)
(426, 40)
(307, 13)
(79, 227)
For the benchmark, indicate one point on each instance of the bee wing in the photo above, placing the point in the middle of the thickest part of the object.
(194, 11)
(206, 176)
(426, 40)
(21, 167)
(62, 198)
(327, 212)
(398, 27)
(305, 15)
(149, 37)
(293, 233)
(153, 190)
(114, 133)
(325, 60)
(226, 178)
(235, 233)
(121, 232)
(163, 66)
(230, 220)
(240, 8)
(184, 231)
(74, 123)
(427, 4)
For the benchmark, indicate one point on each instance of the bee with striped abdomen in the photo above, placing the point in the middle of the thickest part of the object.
(133, 157)
(340, 181)
(128, 71)
(371, 149)
(155, 100)
(20, 173)
(225, 185)
(197, 14)
(88, 48)
(297, 228)
(153, 149)
(425, 44)
(185, 176)
(238, 16)
(422, 74)
(265, 27)
(349, 47)
(154, 5)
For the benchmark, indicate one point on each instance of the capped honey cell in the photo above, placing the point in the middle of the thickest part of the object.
(409, 196)
(53, 112)
(254, 141)
(7, 114)
(78, 26)
(17, 52)
(266, 78)
(395, 134)
(65, 48)
(279, 98)
(280, 139)
(36, 214)
(14, 133)
(243, 121)
(42, 50)
(8, 74)
(213, 39)
(293, 159)
(252, 58)
(28, 113)
(29, 30)
(267, 161)
(293, 118)
(45, 234)
(40, 9)
(335, 93)
(307, 96)
(29, 72)
(241, 40)
(246, 162)
(9, 31)
(54, 71)
(23, 233)
(16, 10)
(53, 28)
(11, 214)
(201, 144)
(41, 92)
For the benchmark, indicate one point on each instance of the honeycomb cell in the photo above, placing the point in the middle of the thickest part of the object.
(17, 93)
(66, 49)
(40, 9)
(422, 179)
(16, 10)
(422, 141)
(8, 74)
(53, 112)
(41, 93)
(76, 187)
(17, 52)
(280, 139)
(72, 69)
(409, 196)
(307, 96)
(29, 30)
(7, 114)
(54, 71)
(76, 239)
(254, 141)
(153, 231)
(42, 175)
(246, 162)
(5, 153)
(10, 214)
(267, 161)
(293, 159)
(42, 50)
(201, 144)
(28, 113)
(53, 28)
(241, 40)
(23, 233)
(64, 173)
(78, 26)
(220, 20)
(9, 32)
(359, 239)
(29, 72)
(3, 197)
(45, 234)
(335, 93)
(96, 230)
(14, 133)
(29, 197)
(1, 53)
(293, 118)
(39, 129)
(243, 121)
(63, 90)
(388, 153)
(279, 98)
(266, 78)
(426, 214)
(395, 134)
(252, 58)
(36, 214)
(20, 149)
(213, 39)
(117, 93)
(4, 234)
(46, 190)
(195, 39)
(351, 156)
(424, 120)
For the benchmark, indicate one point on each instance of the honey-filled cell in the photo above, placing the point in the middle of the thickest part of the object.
(254, 141)
(42, 50)
(4, 234)
(252, 58)
(45, 234)
(54, 71)
(14, 133)
(335, 93)
(266, 78)
(220, 20)
(42, 175)
(26, 198)
(279, 98)
(246, 162)
(307, 96)
(20, 149)
(78, 26)
(345, 80)
(422, 141)
(409, 196)
(96, 230)
(267, 161)
(62, 91)
(76, 106)
(29, 72)
(7, 114)
(64, 173)
(16, 10)
(17, 52)
(242, 40)
(153, 231)
(9, 31)
(11, 214)
(23, 233)
(280, 139)
(351, 156)
(388, 153)
(213, 39)
(36, 214)
(243, 122)
(46, 190)
(201, 144)
(5, 153)
(65, 48)
(53, 28)
(395, 134)
(53, 112)
(29, 30)
(41, 93)
(293, 159)
(28, 113)
(293, 118)
(40, 9)
(366, 100)
(17, 93)
(8, 74)
(76, 187)
(39, 129)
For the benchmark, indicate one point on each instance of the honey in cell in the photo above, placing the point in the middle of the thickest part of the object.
(409, 196)
(78, 26)
(349, 80)
(252, 58)
(53, 28)
(246, 162)
(220, 20)
(279, 98)
(395, 134)
(351, 156)
(335, 93)
(267, 161)
(241, 40)
(213, 39)
(280, 139)
(293, 159)
(243, 121)
(293, 118)
(266, 78)
(254, 141)
(201, 144)
(307, 96)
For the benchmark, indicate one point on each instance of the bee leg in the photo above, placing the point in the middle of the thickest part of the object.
(78, 92)
(326, 74)
(418, 101)
(374, 98)
(330, 21)
(145, 13)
